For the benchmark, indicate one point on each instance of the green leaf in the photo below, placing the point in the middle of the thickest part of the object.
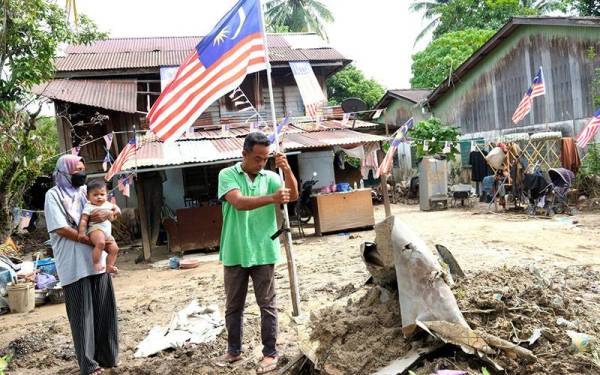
(484, 371)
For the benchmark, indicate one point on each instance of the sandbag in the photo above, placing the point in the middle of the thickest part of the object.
(495, 158)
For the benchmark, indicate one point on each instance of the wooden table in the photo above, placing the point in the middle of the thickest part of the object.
(342, 211)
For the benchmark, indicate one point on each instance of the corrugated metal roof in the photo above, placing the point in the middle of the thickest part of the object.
(121, 53)
(147, 44)
(156, 154)
(119, 60)
(414, 95)
(299, 127)
(117, 95)
(321, 139)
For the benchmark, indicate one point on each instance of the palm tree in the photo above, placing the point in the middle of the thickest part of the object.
(432, 13)
(298, 16)
(543, 6)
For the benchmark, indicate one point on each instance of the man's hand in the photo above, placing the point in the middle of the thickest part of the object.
(281, 196)
(282, 162)
(83, 238)
(98, 216)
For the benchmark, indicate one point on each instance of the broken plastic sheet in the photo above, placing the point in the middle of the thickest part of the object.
(194, 324)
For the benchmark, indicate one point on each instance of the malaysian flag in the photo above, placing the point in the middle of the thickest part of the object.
(537, 88)
(281, 130)
(123, 185)
(219, 63)
(589, 131)
(308, 85)
(388, 160)
(128, 152)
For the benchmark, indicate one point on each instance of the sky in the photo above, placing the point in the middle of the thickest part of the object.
(378, 35)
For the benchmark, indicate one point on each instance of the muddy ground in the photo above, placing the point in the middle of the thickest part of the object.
(497, 252)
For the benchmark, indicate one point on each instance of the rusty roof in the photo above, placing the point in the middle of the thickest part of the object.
(116, 95)
(199, 151)
(413, 95)
(297, 126)
(124, 53)
(502, 34)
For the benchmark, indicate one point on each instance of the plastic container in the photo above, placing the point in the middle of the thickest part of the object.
(56, 293)
(47, 265)
(40, 297)
(21, 297)
(343, 187)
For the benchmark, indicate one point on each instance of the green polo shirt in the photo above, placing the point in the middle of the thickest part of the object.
(246, 235)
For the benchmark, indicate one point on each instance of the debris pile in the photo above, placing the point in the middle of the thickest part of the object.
(362, 333)
(512, 316)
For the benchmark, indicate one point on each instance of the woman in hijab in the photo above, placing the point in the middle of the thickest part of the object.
(89, 295)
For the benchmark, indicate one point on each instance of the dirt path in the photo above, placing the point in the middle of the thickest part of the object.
(329, 268)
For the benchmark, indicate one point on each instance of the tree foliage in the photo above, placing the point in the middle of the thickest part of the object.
(350, 82)
(31, 32)
(432, 65)
(436, 134)
(584, 7)
(453, 15)
(298, 16)
(480, 14)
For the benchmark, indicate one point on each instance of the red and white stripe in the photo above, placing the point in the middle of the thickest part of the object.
(522, 109)
(588, 133)
(195, 88)
(538, 90)
(312, 109)
(386, 164)
(127, 153)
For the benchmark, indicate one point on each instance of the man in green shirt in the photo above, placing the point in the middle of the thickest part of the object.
(251, 196)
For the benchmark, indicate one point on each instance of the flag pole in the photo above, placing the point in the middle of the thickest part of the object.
(287, 242)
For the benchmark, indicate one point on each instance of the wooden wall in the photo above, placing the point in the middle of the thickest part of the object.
(486, 97)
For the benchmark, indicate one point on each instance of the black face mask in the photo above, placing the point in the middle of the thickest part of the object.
(78, 179)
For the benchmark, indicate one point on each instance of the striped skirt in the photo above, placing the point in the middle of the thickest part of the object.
(92, 313)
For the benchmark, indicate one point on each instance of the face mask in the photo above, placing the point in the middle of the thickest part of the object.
(78, 179)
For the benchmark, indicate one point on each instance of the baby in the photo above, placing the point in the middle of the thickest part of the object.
(99, 233)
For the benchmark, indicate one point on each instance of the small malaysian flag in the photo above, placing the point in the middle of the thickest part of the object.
(127, 153)
(217, 65)
(589, 131)
(537, 88)
(123, 185)
(388, 160)
(281, 130)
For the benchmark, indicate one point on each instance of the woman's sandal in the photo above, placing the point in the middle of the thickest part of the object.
(264, 368)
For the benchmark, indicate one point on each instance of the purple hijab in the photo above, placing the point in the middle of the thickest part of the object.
(72, 198)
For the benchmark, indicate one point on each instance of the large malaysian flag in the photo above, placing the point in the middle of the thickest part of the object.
(216, 66)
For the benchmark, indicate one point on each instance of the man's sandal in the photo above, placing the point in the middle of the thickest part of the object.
(264, 368)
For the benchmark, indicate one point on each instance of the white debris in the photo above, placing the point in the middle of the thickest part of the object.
(194, 324)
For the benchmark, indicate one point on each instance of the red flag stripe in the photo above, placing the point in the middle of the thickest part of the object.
(125, 154)
(386, 163)
(196, 74)
(182, 99)
(188, 60)
(191, 92)
(214, 94)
